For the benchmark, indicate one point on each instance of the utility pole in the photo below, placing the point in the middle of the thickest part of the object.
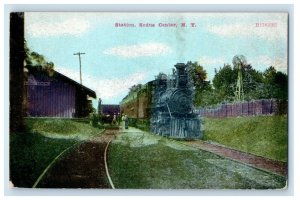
(79, 55)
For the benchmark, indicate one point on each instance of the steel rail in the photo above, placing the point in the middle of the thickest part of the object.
(56, 158)
(106, 166)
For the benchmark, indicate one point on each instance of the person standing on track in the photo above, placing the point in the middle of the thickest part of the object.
(126, 121)
(114, 121)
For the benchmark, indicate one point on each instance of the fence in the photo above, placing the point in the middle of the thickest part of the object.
(245, 108)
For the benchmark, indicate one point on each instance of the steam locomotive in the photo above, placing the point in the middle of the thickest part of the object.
(167, 102)
(172, 106)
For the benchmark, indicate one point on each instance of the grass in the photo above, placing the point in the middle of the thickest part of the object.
(61, 128)
(32, 151)
(138, 160)
(265, 136)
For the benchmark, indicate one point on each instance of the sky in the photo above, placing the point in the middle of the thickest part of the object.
(117, 57)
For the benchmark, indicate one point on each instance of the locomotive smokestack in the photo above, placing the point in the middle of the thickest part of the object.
(181, 75)
(180, 68)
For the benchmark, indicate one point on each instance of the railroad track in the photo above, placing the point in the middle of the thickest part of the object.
(106, 166)
(83, 165)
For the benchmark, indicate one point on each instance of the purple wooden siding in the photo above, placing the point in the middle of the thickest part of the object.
(50, 97)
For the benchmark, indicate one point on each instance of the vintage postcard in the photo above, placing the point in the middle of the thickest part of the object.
(141, 100)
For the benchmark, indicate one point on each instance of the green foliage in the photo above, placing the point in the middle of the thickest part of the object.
(135, 88)
(34, 59)
(142, 124)
(135, 91)
(252, 79)
(224, 83)
(61, 128)
(276, 84)
(265, 136)
(138, 160)
(202, 87)
(256, 85)
(197, 74)
(32, 151)
(30, 154)
(95, 119)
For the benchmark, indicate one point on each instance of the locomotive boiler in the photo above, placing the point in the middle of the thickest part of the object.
(172, 106)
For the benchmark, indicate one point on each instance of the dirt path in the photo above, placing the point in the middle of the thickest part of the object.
(249, 159)
(83, 167)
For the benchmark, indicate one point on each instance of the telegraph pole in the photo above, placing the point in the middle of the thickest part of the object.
(79, 55)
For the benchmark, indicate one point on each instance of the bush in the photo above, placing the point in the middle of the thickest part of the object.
(143, 124)
(94, 120)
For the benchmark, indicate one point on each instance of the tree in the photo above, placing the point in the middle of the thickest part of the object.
(281, 80)
(252, 83)
(275, 84)
(135, 88)
(36, 60)
(226, 80)
(224, 83)
(198, 75)
(256, 84)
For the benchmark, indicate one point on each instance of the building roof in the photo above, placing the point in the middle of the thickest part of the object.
(88, 91)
